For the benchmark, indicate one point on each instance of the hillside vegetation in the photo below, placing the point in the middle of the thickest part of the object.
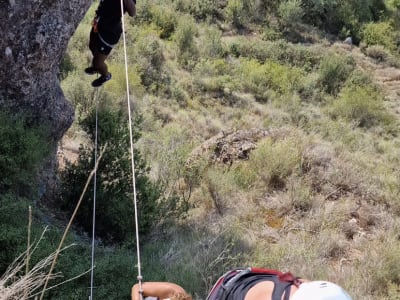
(261, 139)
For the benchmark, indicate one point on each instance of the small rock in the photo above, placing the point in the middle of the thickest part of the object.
(348, 41)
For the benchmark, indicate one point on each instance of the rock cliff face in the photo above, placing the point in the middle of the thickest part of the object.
(34, 37)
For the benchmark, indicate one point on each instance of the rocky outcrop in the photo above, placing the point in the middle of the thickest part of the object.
(34, 37)
(227, 147)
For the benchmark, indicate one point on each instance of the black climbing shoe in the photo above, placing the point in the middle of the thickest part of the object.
(90, 71)
(99, 81)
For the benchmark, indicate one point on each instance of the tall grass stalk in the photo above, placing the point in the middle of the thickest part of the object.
(28, 247)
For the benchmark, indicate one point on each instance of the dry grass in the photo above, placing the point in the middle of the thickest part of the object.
(20, 282)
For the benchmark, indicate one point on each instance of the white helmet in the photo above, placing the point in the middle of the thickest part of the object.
(320, 290)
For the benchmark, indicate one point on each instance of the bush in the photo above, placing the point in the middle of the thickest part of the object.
(362, 105)
(333, 71)
(150, 59)
(66, 67)
(13, 228)
(235, 13)
(258, 78)
(290, 12)
(212, 44)
(165, 19)
(205, 9)
(23, 147)
(342, 16)
(306, 57)
(185, 39)
(275, 161)
(380, 34)
(114, 199)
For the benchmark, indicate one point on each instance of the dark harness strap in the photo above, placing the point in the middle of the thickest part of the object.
(236, 285)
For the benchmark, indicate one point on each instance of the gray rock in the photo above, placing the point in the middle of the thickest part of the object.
(348, 41)
(33, 40)
(33, 43)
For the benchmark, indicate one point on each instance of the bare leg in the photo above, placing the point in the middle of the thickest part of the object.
(99, 63)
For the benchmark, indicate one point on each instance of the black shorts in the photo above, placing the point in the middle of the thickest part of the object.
(101, 41)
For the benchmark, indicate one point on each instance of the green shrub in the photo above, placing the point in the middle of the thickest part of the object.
(185, 39)
(394, 12)
(275, 161)
(380, 34)
(150, 60)
(114, 199)
(381, 54)
(23, 147)
(306, 57)
(205, 9)
(235, 13)
(165, 19)
(258, 78)
(359, 78)
(66, 67)
(342, 16)
(214, 76)
(77, 91)
(245, 47)
(211, 43)
(362, 105)
(387, 270)
(290, 12)
(333, 71)
(13, 228)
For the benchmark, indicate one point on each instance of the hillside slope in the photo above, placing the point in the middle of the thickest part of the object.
(274, 144)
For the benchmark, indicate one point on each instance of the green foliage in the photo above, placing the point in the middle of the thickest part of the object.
(298, 55)
(214, 76)
(114, 199)
(165, 19)
(258, 78)
(273, 162)
(112, 265)
(241, 13)
(381, 54)
(185, 39)
(150, 59)
(77, 91)
(208, 10)
(116, 267)
(333, 71)
(362, 105)
(13, 232)
(23, 147)
(236, 13)
(342, 15)
(211, 43)
(388, 273)
(290, 12)
(380, 34)
(66, 67)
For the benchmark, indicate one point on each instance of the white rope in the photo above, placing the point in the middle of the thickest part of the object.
(94, 197)
(139, 277)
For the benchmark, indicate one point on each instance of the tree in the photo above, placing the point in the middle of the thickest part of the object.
(114, 200)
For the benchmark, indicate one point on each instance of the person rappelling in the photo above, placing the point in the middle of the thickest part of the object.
(105, 34)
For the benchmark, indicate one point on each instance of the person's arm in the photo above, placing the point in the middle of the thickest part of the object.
(161, 290)
(130, 6)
